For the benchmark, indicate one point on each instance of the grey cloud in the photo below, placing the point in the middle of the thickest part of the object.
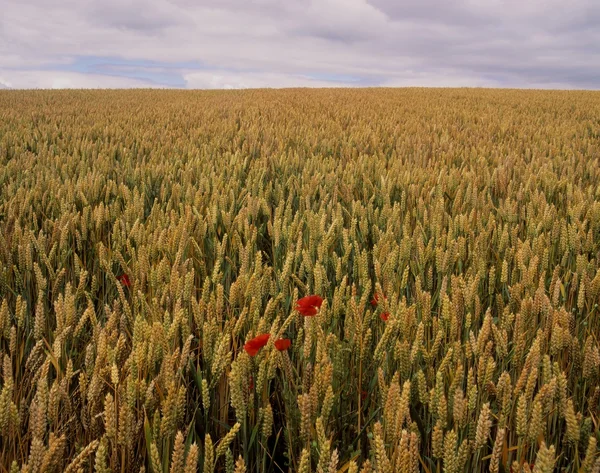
(244, 43)
(450, 12)
(138, 15)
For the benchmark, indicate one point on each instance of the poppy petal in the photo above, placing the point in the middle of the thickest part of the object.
(309, 305)
(307, 310)
(251, 350)
(283, 344)
(253, 346)
(375, 299)
(124, 279)
(262, 339)
(384, 316)
(312, 301)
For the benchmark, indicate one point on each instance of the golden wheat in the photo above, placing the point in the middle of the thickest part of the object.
(156, 248)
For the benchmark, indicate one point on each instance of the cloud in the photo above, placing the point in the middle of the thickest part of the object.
(137, 15)
(312, 43)
(220, 79)
(42, 79)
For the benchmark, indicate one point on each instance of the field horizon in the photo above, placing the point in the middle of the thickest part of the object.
(292, 88)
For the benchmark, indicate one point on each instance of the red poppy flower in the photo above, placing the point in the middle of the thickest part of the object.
(384, 316)
(363, 395)
(375, 299)
(309, 305)
(124, 279)
(253, 346)
(283, 344)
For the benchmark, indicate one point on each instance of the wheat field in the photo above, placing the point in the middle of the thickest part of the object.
(329, 281)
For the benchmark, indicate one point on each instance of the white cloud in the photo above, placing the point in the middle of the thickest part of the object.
(228, 80)
(443, 79)
(42, 79)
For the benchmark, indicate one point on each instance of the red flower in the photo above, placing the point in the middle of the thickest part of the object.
(363, 395)
(253, 346)
(124, 279)
(309, 305)
(283, 344)
(375, 299)
(384, 316)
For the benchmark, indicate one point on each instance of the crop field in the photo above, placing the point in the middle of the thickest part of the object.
(324, 281)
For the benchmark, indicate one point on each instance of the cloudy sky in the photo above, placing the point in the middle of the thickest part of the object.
(299, 43)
